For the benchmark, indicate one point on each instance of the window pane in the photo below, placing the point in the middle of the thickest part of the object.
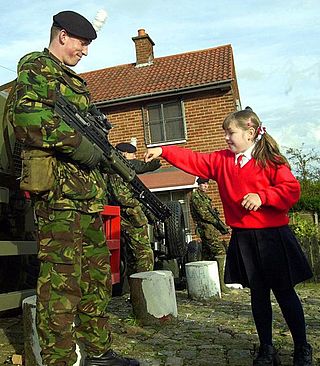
(156, 132)
(171, 110)
(174, 129)
(155, 124)
(173, 121)
(164, 196)
(154, 113)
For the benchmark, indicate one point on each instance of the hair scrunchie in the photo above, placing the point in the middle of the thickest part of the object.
(261, 131)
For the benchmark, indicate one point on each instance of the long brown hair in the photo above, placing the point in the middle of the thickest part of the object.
(266, 148)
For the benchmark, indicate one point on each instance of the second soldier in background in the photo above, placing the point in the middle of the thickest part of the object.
(201, 212)
(134, 222)
(208, 227)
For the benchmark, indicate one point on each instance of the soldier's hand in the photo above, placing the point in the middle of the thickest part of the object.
(251, 201)
(152, 154)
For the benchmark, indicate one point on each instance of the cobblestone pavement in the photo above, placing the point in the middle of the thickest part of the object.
(207, 333)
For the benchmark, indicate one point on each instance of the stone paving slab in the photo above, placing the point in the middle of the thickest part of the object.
(207, 333)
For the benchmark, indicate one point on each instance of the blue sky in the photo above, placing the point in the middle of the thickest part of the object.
(275, 44)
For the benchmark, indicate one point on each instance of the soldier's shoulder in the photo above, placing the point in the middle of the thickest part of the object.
(193, 194)
(31, 57)
(196, 196)
(41, 57)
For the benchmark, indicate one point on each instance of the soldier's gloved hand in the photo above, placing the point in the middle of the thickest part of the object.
(142, 167)
(87, 154)
(106, 166)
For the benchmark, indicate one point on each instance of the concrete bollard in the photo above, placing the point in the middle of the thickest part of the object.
(31, 340)
(203, 279)
(153, 297)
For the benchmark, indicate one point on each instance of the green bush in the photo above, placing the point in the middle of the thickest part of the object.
(310, 197)
(303, 228)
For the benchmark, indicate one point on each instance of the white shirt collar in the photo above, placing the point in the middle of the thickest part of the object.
(246, 156)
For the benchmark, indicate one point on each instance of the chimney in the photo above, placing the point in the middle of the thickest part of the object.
(144, 48)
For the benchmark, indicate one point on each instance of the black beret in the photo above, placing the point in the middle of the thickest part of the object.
(126, 147)
(202, 180)
(75, 24)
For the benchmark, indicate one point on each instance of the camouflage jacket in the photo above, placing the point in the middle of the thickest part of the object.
(40, 75)
(121, 194)
(200, 206)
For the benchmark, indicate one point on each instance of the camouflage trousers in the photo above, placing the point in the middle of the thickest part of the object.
(74, 285)
(211, 244)
(139, 251)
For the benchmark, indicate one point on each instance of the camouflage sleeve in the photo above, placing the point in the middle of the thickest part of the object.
(141, 167)
(202, 208)
(120, 192)
(33, 110)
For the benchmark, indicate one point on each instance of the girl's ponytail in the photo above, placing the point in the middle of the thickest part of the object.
(267, 150)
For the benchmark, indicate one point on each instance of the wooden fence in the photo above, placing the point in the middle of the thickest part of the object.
(311, 247)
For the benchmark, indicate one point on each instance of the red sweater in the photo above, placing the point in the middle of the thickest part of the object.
(277, 187)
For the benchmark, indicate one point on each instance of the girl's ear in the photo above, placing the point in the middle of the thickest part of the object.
(251, 133)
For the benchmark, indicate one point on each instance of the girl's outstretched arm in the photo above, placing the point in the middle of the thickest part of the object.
(152, 154)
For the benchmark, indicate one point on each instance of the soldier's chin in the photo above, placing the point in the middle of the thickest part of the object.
(73, 62)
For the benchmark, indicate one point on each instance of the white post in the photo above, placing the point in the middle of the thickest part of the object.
(203, 279)
(153, 297)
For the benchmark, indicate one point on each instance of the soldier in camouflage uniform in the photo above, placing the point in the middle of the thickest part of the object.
(200, 205)
(134, 222)
(61, 169)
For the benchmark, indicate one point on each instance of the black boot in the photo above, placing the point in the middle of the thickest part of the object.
(302, 355)
(110, 358)
(267, 355)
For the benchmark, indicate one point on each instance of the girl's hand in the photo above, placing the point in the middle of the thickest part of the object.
(251, 201)
(152, 154)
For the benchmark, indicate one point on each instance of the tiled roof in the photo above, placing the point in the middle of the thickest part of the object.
(165, 74)
(166, 178)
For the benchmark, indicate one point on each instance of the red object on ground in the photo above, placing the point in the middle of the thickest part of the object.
(111, 219)
(27, 195)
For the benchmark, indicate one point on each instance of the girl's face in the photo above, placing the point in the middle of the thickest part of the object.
(239, 140)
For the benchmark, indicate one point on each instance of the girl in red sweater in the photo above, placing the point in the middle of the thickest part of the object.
(257, 190)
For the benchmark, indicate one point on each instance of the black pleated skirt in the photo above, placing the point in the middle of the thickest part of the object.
(270, 258)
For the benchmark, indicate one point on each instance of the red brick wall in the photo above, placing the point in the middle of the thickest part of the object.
(144, 50)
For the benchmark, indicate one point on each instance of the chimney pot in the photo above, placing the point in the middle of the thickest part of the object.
(141, 32)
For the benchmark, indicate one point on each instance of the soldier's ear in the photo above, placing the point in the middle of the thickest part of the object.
(63, 36)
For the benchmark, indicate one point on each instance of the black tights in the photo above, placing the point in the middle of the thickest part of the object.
(291, 308)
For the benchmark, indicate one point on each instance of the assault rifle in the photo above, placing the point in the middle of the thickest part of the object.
(95, 127)
(219, 224)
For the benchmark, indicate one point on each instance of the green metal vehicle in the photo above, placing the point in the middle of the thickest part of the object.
(18, 263)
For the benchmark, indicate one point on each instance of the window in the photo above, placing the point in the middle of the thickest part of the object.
(164, 122)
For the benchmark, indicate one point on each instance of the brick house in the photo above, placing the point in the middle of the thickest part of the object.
(178, 99)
